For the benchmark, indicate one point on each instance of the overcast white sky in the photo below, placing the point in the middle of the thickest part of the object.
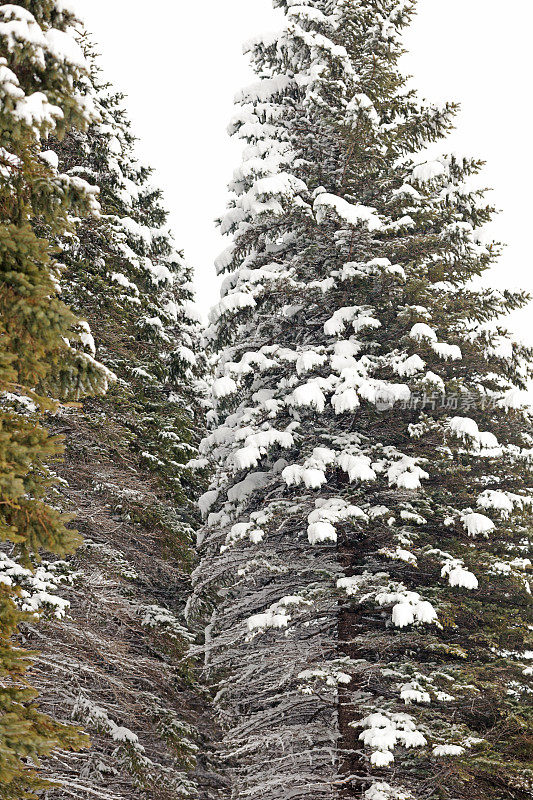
(180, 65)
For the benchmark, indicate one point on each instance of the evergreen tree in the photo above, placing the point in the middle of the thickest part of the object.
(42, 358)
(365, 551)
(117, 661)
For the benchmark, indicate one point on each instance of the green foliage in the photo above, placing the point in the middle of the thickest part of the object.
(40, 359)
(131, 475)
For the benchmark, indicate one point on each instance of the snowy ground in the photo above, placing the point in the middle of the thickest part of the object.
(181, 64)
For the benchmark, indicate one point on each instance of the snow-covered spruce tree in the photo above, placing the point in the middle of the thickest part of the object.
(42, 356)
(116, 662)
(364, 555)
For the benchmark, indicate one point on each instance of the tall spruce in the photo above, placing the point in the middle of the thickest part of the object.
(117, 662)
(365, 551)
(42, 354)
